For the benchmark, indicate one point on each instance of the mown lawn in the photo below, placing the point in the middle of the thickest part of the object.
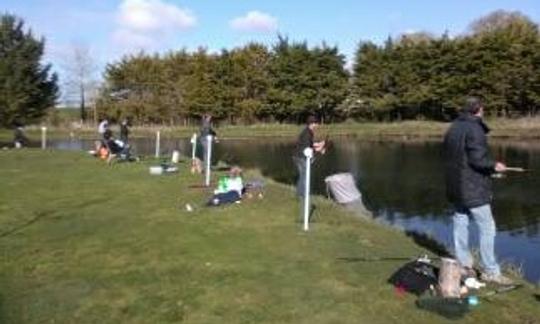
(83, 242)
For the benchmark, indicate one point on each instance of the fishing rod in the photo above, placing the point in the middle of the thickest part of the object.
(499, 175)
(516, 169)
(425, 258)
(500, 290)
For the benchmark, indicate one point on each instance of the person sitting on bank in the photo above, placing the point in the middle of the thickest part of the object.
(116, 147)
(19, 138)
(230, 188)
(100, 150)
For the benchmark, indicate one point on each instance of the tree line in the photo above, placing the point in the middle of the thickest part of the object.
(247, 84)
(413, 76)
(421, 76)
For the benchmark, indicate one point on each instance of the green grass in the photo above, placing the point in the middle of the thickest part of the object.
(83, 242)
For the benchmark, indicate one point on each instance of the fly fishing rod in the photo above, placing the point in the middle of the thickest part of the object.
(499, 175)
(501, 290)
(516, 169)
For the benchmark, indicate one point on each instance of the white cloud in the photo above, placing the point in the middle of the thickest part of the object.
(149, 24)
(255, 21)
(410, 31)
(154, 15)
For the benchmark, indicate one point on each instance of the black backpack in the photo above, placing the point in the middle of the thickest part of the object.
(415, 277)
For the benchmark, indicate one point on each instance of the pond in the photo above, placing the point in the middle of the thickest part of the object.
(402, 182)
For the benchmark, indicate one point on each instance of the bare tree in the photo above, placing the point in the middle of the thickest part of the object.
(501, 19)
(80, 78)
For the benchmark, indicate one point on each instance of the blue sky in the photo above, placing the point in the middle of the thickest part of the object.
(110, 29)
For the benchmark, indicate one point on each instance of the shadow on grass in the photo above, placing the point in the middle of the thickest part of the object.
(423, 240)
(374, 259)
(537, 297)
(38, 215)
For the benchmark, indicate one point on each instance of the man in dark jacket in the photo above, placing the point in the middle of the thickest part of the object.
(124, 131)
(305, 140)
(205, 130)
(469, 167)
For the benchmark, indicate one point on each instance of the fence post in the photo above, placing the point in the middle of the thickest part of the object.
(43, 137)
(193, 146)
(158, 140)
(208, 159)
(308, 153)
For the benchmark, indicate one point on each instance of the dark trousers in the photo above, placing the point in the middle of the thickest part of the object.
(300, 164)
(224, 198)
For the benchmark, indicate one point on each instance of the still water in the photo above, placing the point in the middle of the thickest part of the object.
(402, 182)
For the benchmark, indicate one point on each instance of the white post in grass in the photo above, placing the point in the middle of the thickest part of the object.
(308, 153)
(193, 146)
(208, 159)
(43, 137)
(158, 135)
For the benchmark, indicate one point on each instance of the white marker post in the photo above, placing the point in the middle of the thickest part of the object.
(193, 146)
(308, 153)
(208, 159)
(43, 137)
(158, 135)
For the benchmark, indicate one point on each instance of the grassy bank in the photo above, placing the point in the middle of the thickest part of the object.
(83, 242)
(524, 128)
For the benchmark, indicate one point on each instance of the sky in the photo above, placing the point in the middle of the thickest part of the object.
(110, 29)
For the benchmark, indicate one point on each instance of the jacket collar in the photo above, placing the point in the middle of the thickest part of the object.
(465, 117)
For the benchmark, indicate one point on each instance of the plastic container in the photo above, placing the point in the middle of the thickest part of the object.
(175, 157)
(156, 170)
(472, 300)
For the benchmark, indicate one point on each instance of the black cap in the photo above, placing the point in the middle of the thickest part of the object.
(312, 120)
(472, 105)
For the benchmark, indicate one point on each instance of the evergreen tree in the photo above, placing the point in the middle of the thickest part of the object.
(421, 76)
(27, 88)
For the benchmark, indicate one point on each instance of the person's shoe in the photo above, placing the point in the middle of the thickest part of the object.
(497, 279)
(467, 272)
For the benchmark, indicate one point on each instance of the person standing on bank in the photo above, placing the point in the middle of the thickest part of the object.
(305, 140)
(469, 167)
(102, 128)
(206, 129)
(19, 138)
(124, 131)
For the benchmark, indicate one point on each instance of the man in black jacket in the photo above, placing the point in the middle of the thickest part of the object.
(469, 167)
(205, 130)
(305, 140)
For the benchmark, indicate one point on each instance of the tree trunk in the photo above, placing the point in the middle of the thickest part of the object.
(83, 111)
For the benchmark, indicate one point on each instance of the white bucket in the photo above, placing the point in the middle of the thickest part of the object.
(156, 170)
(449, 278)
(175, 157)
(343, 188)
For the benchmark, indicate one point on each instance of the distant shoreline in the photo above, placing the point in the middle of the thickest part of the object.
(523, 128)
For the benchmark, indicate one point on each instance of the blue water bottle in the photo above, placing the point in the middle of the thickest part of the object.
(473, 300)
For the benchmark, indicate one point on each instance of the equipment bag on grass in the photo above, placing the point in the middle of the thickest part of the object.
(415, 277)
(451, 308)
